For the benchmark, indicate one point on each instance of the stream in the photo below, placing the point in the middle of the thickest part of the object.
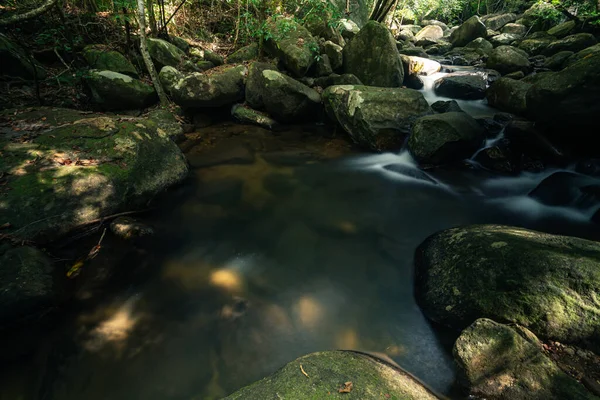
(256, 263)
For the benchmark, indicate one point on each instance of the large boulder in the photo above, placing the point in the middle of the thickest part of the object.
(327, 374)
(198, 90)
(419, 65)
(244, 54)
(562, 30)
(496, 22)
(570, 189)
(580, 55)
(461, 86)
(87, 167)
(376, 118)
(557, 61)
(373, 57)
(293, 44)
(508, 95)
(536, 46)
(572, 43)
(335, 54)
(430, 32)
(247, 115)
(545, 282)
(445, 138)
(471, 29)
(164, 53)
(541, 16)
(504, 39)
(283, 97)
(500, 362)
(514, 29)
(17, 63)
(108, 60)
(335, 79)
(480, 44)
(569, 98)
(169, 77)
(115, 91)
(507, 59)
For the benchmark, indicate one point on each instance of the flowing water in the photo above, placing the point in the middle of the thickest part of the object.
(256, 263)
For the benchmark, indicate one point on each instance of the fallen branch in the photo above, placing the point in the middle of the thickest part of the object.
(28, 15)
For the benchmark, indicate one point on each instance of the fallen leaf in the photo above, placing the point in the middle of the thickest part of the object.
(346, 388)
(75, 269)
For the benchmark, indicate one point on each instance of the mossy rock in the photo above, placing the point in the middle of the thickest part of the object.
(499, 362)
(17, 63)
(508, 95)
(572, 43)
(247, 115)
(293, 44)
(507, 59)
(115, 91)
(562, 30)
(181, 43)
(328, 372)
(164, 53)
(87, 166)
(255, 85)
(547, 283)
(108, 60)
(580, 55)
(470, 30)
(246, 53)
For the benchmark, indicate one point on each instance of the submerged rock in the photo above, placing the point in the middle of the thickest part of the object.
(17, 63)
(512, 275)
(364, 376)
(497, 362)
(508, 95)
(115, 91)
(461, 86)
(471, 29)
(444, 138)
(108, 60)
(375, 118)
(373, 57)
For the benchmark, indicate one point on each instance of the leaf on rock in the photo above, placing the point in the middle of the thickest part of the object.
(346, 388)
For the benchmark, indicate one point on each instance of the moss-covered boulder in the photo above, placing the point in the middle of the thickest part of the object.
(247, 115)
(293, 44)
(461, 86)
(115, 91)
(497, 21)
(254, 84)
(445, 138)
(507, 59)
(108, 60)
(508, 95)
(87, 166)
(335, 54)
(169, 77)
(471, 29)
(373, 57)
(541, 16)
(376, 119)
(504, 39)
(181, 43)
(580, 55)
(562, 30)
(26, 283)
(215, 89)
(547, 283)
(569, 98)
(557, 61)
(514, 29)
(572, 43)
(480, 44)
(335, 79)
(164, 53)
(246, 53)
(499, 362)
(17, 63)
(363, 376)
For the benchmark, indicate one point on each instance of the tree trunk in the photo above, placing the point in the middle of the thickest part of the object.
(381, 10)
(164, 101)
(152, 18)
(28, 15)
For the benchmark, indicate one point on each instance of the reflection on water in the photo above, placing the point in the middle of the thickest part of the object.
(257, 264)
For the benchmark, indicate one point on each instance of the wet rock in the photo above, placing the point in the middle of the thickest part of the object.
(568, 189)
(442, 47)
(508, 95)
(413, 82)
(412, 51)
(247, 115)
(507, 59)
(335, 54)
(129, 229)
(164, 53)
(504, 39)
(446, 106)
(375, 118)
(556, 62)
(467, 56)
(409, 171)
(328, 371)
(572, 43)
(497, 361)
(514, 29)
(471, 29)
(323, 66)
(243, 54)
(335, 79)
(17, 63)
(497, 158)
(527, 139)
(431, 33)
(373, 57)
(197, 90)
(419, 65)
(26, 283)
(293, 44)
(496, 22)
(511, 274)
(445, 138)
(115, 91)
(562, 30)
(89, 166)
(461, 86)
(107, 60)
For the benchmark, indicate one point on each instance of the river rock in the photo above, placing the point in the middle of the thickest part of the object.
(88, 166)
(108, 60)
(169, 77)
(323, 66)
(445, 138)
(293, 44)
(531, 17)
(504, 39)
(496, 22)
(164, 53)
(413, 82)
(406, 35)
(556, 62)
(431, 33)
(507, 59)
(115, 91)
(364, 376)
(26, 283)
(435, 22)
(442, 106)
(283, 97)
(497, 361)
(569, 98)
(535, 46)
(461, 86)
(471, 29)
(465, 56)
(480, 44)
(373, 57)
(508, 95)
(514, 29)
(335, 79)
(562, 30)
(376, 118)
(243, 54)
(568, 189)
(511, 275)
(17, 63)
(335, 54)
(419, 65)
(247, 115)
(582, 54)
(572, 43)
(440, 48)
(198, 90)
(349, 28)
